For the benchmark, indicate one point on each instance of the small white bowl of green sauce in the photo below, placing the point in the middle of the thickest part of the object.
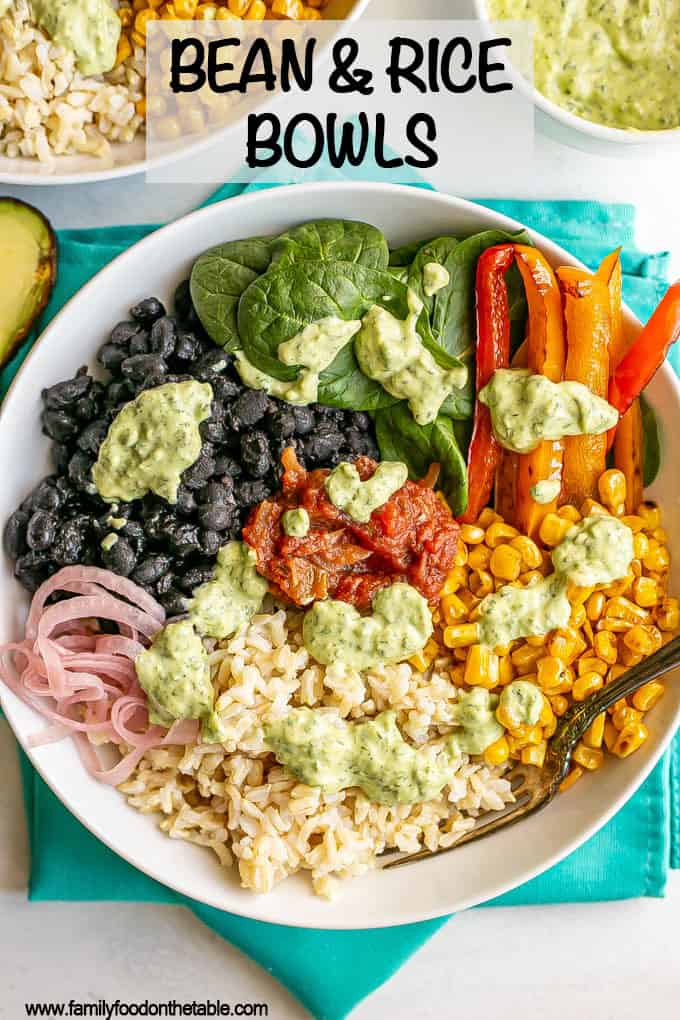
(605, 74)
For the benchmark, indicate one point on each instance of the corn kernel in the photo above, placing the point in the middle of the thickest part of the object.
(471, 534)
(553, 529)
(559, 704)
(456, 578)
(646, 697)
(649, 512)
(525, 657)
(645, 592)
(453, 609)
(595, 733)
(569, 513)
(605, 647)
(481, 668)
(506, 672)
(573, 776)
(640, 545)
(642, 640)
(587, 684)
(656, 557)
(505, 562)
(528, 550)
(621, 608)
(461, 635)
(625, 716)
(481, 583)
(630, 739)
(589, 758)
(498, 752)
(667, 614)
(589, 663)
(487, 517)
(142, 18)
(535, 754)
(611, 735)
(595, 606)
(499, 532)
(591, 506)
(478, 557)
(611, 486)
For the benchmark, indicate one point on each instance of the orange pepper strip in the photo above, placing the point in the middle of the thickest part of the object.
(588, 320)
(545, 356)
(627, 437)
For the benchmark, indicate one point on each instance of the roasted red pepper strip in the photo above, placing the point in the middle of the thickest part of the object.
(647, 353)
(493, 351)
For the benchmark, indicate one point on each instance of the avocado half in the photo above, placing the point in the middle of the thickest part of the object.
(28, 270)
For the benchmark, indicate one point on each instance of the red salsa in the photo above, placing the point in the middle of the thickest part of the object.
(411, 538)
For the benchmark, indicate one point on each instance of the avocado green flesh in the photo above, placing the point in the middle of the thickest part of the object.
(27, 271)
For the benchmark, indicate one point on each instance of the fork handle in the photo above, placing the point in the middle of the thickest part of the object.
(576, 721)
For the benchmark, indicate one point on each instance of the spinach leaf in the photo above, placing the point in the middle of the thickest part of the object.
(218, 279)
(344, 385)
(288, 297)
(343, 240)
(405, 254)
(401, 438)
(651, 443)
(452, 308)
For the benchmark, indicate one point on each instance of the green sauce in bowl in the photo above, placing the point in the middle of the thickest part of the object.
(614, 62)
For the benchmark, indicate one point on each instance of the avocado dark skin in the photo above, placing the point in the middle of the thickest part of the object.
(28, 271)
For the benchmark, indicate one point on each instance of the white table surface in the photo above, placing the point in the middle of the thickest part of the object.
(617, 961)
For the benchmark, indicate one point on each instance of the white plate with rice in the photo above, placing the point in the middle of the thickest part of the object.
(59, 127)
(341, 834)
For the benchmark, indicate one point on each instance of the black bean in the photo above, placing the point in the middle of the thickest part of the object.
(215, 516)
(139, 344)
(187, 346)
(184, 539)
(31, 569)
(200, 471)
(173, 602)
(355, 441)
(87, 408)
(281, 424)
(92, 437)
(163, 336)
(228, 467)
(157, 523)
(218, 492)
(186, 502)
(192, 578)
(141, 366)
(255, 454)
(304, 420)
(214, 431)
(148, 310)
(61, 454)
(123, 332)
(59, 425)
(111, 357)
(118, 392)
(249, 493)
(69, 544)
(225, 389)
(120, 558)
(80, 471)
(164, 584)
(248, 409)
(210, 542)
(42, 530)
(211, 364)
(46, 495)
(65, 489)
(321, 445)
(152, 569)
(14, 536)
(66, 393)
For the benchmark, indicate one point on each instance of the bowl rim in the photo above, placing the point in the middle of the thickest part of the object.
(39, 178)
(257, 906)
(600, 132)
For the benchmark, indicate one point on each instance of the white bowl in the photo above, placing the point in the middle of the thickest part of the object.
(585, 134)
(130, 158)
(447, 883)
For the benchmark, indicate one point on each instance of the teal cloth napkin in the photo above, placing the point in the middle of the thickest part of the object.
(330, 972)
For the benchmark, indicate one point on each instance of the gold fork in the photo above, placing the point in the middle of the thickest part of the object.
(535, 787)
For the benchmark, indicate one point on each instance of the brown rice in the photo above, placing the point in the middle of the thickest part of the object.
(237, 800)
